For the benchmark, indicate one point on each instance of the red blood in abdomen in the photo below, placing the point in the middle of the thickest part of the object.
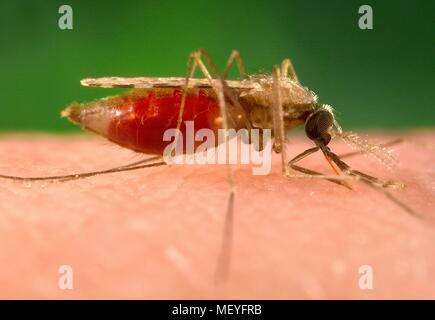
(141, 118)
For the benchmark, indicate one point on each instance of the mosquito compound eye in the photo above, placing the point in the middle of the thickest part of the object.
(318, 125)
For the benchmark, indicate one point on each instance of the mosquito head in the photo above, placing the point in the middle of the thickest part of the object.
(319, 125)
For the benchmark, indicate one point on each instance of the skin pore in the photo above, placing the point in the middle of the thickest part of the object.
(156, 233)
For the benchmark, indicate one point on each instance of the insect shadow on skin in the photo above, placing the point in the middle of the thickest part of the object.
(137, 120)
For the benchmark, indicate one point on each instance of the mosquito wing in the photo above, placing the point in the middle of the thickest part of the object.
(150, 82)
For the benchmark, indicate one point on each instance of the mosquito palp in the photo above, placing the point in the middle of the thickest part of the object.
(383, 145)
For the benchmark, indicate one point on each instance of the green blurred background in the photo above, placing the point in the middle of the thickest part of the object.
(381, 78)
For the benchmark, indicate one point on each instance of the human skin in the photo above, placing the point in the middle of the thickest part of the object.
(156, 233)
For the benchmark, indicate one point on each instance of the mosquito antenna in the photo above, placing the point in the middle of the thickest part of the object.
(62, 178)
(383, 145)
(378, 152)
(224, 258)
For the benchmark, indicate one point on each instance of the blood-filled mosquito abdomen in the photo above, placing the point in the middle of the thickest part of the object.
(139, 119)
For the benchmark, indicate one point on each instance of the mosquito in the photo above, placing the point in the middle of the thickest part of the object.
(279, 102)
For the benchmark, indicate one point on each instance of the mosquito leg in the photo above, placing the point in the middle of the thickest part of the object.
(384, 145)
(235, 55)
(140, 162)
(306, 153)
(218, 87)
(311, 174)
(286, 67)
(236, 113)
(224, 259)
(345, 168)
(68, 177)
(191, 66)
(371, 181)
(278, 120)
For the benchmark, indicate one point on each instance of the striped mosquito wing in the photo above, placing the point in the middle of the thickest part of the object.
(151, 82)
